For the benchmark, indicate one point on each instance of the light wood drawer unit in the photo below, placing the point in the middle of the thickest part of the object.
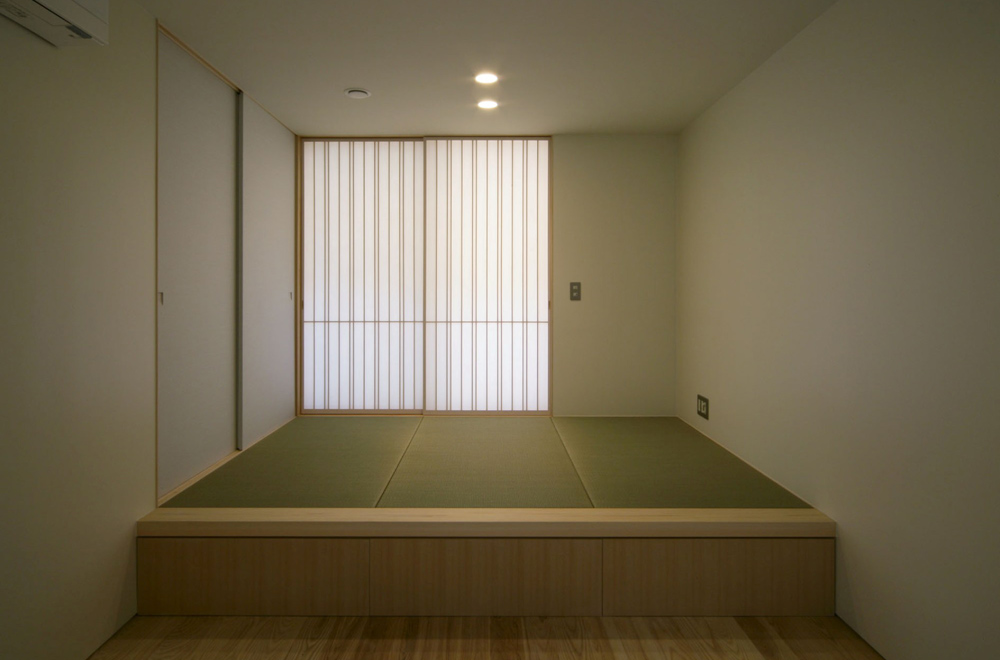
(260, 576)
(486, 577)
(719, 577)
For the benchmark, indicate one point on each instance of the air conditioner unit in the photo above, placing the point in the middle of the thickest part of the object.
(61, 22)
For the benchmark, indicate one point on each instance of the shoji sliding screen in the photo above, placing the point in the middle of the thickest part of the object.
(487, 280)
(425, 275)
(362, 275)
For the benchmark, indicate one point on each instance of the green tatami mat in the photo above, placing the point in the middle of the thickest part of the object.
(485, 462)
(309, 462)
(662, 462)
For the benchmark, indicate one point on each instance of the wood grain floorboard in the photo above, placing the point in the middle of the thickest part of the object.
(558, 638)
(465, 638)
(507, 640)
(768, 643)
(328, 638)
(722, 637)
(822, 638)
(184, 639)
(273, 638)
(486, 638)
(138, 638)
(689, 639)
(227, 636)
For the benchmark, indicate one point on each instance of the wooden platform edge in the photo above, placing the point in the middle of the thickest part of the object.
(488, 523)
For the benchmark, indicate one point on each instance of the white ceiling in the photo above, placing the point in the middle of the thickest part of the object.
(565, 66)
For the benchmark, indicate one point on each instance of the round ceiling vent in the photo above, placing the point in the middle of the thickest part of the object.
(357, 93)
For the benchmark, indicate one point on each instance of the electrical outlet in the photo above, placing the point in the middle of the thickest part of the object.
(574, 291)
(703, 406)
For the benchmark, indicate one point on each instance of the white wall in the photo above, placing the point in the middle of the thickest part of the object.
(613, 231)
(196, 260)
(268, 273)
(838, 270)
(77, 417)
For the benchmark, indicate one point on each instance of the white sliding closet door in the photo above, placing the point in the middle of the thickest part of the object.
(487, 275)
(267, 350)
(363, 270)
(196, 267)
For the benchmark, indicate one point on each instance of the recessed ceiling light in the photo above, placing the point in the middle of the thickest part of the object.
(488, 105)
(486, 78)
(357, 93)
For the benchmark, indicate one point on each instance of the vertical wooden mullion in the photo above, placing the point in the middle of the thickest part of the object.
(510, 273)
(538, 274)
(350, 275)
(500, 275)
(376, 199)
(297, 298)
(431, 220)
(448, 317)
(475, 275)
(339, 326)
(365, 219)
(527, 267)
(461, 272)
(313, 275)
(423, 385)
(413, 264)
(513, 249)
(376, 271)
(400, 213)
(548, 231)
(326, 272)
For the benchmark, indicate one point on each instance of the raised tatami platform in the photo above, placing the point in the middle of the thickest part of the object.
(486, 516)
(508, 462)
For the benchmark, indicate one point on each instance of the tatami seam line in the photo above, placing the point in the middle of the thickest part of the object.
(399, 462)
(575, 468)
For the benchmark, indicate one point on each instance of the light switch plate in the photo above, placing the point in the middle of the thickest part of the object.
(574, 291)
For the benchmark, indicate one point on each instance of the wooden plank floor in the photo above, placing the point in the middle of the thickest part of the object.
(467, 638)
